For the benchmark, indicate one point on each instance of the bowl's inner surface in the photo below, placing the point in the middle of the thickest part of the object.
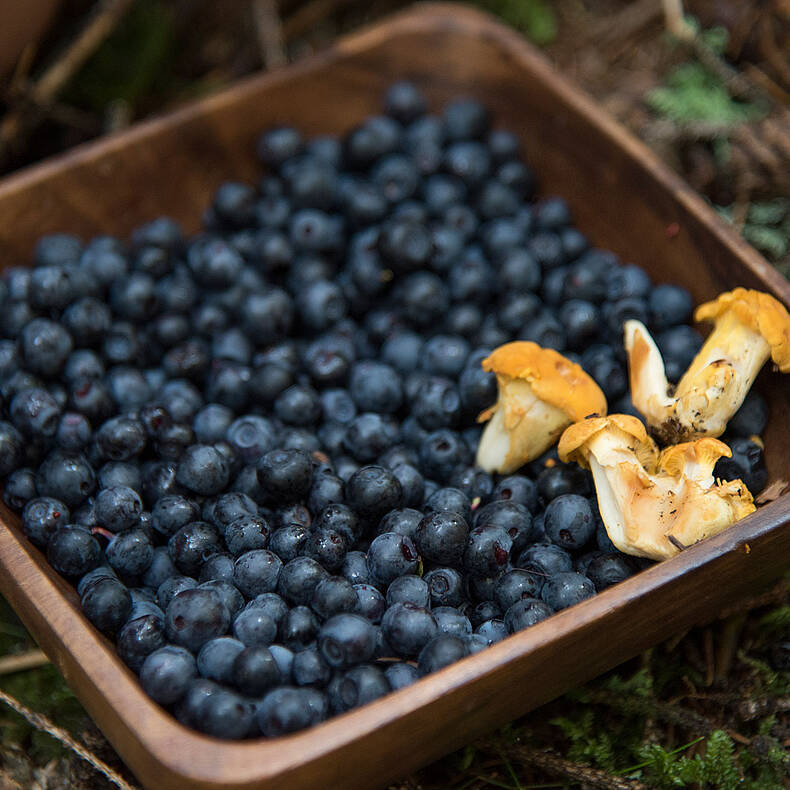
(173, 168)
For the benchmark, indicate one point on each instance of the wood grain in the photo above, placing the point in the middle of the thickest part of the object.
(622, 198)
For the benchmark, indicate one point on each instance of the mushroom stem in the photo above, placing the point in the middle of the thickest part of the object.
(721, 375)
(521, 427)
(750, 327)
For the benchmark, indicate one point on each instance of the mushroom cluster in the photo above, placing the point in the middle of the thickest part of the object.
(653, 502)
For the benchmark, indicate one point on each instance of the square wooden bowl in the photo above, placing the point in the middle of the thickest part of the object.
(622, 197)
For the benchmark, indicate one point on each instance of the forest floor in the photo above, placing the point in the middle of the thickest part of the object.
(709, 708)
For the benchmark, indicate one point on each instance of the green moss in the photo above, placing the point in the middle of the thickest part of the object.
(536, 18)
(132, 63)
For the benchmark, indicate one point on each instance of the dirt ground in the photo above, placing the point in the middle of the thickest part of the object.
(710, 708)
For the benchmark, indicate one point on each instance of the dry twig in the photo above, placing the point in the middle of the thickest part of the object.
(271, 41)
(30, 660)
(43, 724)
(575, 772)
(44, 90)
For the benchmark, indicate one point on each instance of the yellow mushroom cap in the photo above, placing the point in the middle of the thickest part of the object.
(578, 434)
(761, 313)
(553, 378)
(702, 453)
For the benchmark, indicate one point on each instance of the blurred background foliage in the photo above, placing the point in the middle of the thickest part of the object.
(709, 709)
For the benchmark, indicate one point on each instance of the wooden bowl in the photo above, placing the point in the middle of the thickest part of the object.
(621, 196)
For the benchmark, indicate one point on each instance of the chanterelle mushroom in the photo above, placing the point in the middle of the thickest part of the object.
(540, 394)
(749, 327)
(654, 504)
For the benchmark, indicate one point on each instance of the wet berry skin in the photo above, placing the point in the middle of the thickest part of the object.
(408, 628)
(195, 616)
(346, 640)
(569, 521)
(166, 674)
(286, 475)
(73, 551)
(391, 555)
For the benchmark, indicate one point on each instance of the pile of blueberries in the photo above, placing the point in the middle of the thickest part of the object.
(252, 451)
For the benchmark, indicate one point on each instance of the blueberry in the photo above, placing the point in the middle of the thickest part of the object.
(370, 604)
(66, 476)
(445, 586)
(747, 464)
(441, 537)
(286, 474)
(216, 657)
(608, 569)
(669, 305)
(277, 145)
(391, 555)
(465, 118)
(581, 321)
(557, 480)
(107, 604)
(73, 551)
(404, 102)
(298, 580)
(518, 489)
(228, 593)
(257, 572)
(326, 490)
(287, 542)
(369, 435)
(358, 686)
(130, 552)
(423, 297)
(166, 674)
(346, 640)
(267, 316)
(224, 714)
(333, 595)
(408, 588)
(35, 413)
(170, 587)
(451, 621)
(678, 345)
(160, 569)
(487, 550)
(408, 628)
(517, 584)
(751, 417)
(492, 631)
(287, 709)
(195, 616)
(546, 558)
(355, 568)
(140, 637)
(255, 627)
(118, 508)
(126, 474)
(483, 612)
(254, 671)
(45, 346)
(203, 469)
(246, 533)
(373, 491)
(566, 589)
(569, 521)
(192, 544)
(526, 612)
(514, 518)
(227, 508)
(375, 137)
(20, 488)
(171, 512)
